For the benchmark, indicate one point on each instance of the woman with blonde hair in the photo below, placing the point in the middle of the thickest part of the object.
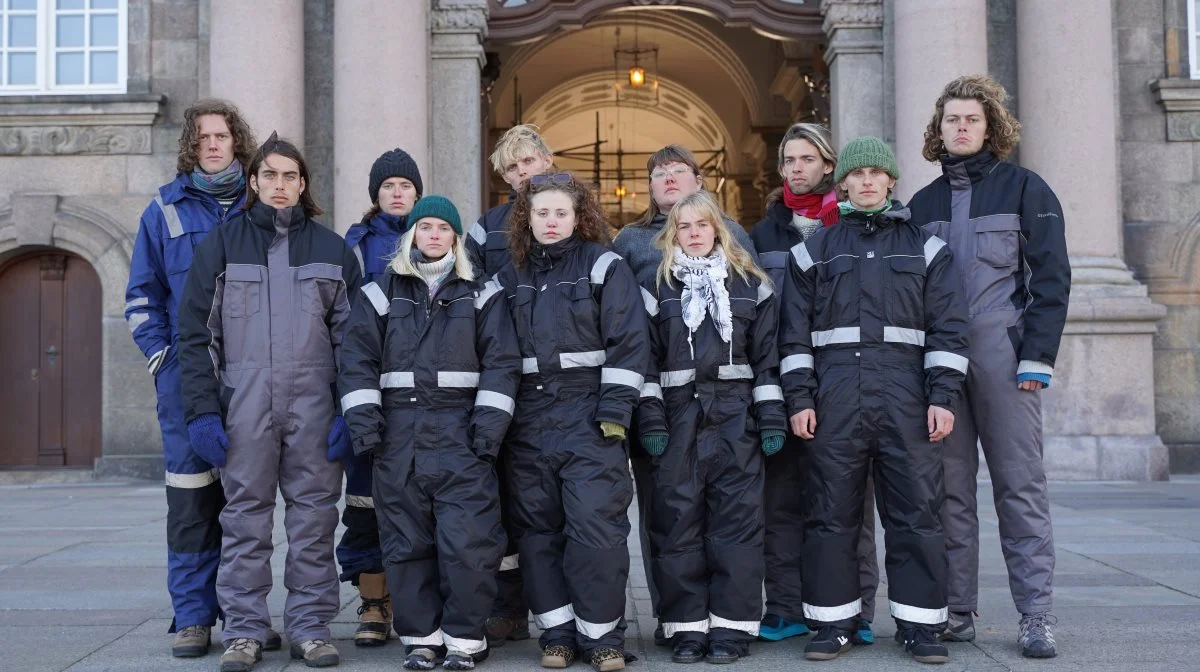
(582, 332)
(429, 374)
(712, 402)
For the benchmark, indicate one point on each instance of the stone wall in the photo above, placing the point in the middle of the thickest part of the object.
(1160, 176)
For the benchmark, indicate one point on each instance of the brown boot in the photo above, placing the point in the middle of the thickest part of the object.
(375, 612)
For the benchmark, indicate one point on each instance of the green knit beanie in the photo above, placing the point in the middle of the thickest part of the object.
(436, 206)
(865, 152)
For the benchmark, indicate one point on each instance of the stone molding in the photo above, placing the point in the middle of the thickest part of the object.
(461, 16)
(851, 14)
(73, 125)
(1181, 99)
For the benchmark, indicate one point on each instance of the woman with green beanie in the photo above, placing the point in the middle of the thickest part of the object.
(873, 340)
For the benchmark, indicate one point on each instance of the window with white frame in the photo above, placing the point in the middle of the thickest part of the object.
(62, 46)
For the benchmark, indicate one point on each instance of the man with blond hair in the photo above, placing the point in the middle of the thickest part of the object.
(1005, 227)
(520, 154)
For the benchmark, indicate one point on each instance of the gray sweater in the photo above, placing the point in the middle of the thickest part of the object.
(635, 244)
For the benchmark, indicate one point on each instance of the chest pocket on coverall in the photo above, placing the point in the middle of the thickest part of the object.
(318, 287)
(906, 292)
(243, 290)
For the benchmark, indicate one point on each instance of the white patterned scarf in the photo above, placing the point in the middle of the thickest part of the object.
(704, 292)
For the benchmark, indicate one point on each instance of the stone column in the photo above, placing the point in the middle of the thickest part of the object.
(936, 41)
(1099, 415)
(380, 96)
(855, 58)
(256, 60)
(456, 50)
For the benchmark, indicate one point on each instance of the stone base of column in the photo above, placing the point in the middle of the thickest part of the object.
(1098, 414)
(147, 467)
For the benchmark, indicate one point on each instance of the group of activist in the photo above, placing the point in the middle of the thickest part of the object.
(489, 396)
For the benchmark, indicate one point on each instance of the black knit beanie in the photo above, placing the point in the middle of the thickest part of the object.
(396, 163)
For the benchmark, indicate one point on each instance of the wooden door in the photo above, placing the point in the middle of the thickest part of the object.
(50, 362)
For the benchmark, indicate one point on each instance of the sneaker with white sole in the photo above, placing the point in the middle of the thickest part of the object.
(1035, 637)
(829, 643)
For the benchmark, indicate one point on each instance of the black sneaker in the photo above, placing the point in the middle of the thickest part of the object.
(688, 652)
(960, 627)
(829, 643)
(1035, 637)
(923, 644)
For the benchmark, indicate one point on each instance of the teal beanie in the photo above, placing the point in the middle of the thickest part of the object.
(436, 206)
(866, 152)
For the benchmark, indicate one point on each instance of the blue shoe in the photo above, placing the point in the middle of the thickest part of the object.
(863, 636)
(774, 628)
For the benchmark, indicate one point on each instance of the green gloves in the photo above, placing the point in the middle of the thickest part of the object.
(772, 441)
(612, 430)
(655, 443)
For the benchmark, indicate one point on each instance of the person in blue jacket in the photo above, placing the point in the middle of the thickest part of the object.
(395, 187)
(208, 190)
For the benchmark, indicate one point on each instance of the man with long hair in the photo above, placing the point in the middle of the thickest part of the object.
(1006, 228)
(805, 203)
(208, 190)
(261, 325)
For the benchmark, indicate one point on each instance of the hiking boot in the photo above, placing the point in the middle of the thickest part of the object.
(557, 657)
(688, 652)
(502, 629)
(923, 644)
(241, 655)
(721, 653)
(191, 642)
(829, 643)
(960, 627)
(461, 660)
(316, 653)
(375, 612)
(605, 659)
(774, 628)
(1035, 638)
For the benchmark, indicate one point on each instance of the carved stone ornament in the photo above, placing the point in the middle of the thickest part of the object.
(851, 14)
(65, 140)
(457, 17)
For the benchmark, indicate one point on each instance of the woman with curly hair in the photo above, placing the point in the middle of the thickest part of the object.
(581, 327)
(1006, 229)
(714, 406)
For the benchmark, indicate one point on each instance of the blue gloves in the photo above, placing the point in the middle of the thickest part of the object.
(207, 436)
(339, 447)
(655, 443)
(772, 441)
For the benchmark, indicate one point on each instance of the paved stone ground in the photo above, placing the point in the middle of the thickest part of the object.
(82, 587)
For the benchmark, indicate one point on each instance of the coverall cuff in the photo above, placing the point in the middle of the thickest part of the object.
(614, 415)
(204, 408)
(366, 444)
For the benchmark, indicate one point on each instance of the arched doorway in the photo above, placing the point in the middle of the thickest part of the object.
(50, 361)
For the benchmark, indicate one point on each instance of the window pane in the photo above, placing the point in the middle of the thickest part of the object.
(104, 4)
(70, 4)
(22, 4)
(70, 31)
(69, 68)
(22, 69)
(104, 30)
(22, 31)
(104, 67)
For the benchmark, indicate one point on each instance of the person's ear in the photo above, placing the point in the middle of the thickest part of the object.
(302, 185)
(254, 183)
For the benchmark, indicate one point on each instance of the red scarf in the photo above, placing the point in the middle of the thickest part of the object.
(813, 206)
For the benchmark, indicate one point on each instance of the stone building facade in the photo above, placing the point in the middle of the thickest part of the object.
(1110, 109)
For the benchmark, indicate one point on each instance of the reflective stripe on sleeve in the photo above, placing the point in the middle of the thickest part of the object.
(946, 359)
(600, 268)
(621, 377)
(375, 295)
(803, 259)
(794, 362)
(360, 397)
(495, 400)
(767, 393)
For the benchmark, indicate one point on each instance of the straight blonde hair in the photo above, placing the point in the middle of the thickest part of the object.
(705, 205)
(401, 262)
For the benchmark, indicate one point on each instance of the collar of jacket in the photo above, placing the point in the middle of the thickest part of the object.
(383, 223)
(976, 166)
(869, 223)
(545, 256)
(264, 215)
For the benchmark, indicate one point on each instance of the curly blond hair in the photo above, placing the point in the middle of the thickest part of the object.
(1003, 129)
